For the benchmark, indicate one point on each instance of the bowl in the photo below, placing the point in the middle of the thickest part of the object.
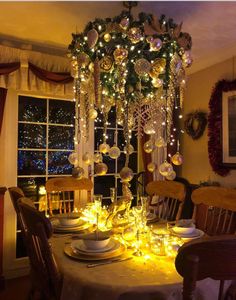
(68, 220)
(96, 244)
(184, 228)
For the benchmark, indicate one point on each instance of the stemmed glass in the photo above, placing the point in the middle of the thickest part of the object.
(139, 224)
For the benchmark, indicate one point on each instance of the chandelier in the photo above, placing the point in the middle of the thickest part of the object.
(138, 67)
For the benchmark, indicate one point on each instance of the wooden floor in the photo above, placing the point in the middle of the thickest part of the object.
(16, 289)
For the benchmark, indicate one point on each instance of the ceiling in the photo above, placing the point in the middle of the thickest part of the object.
(47, 26)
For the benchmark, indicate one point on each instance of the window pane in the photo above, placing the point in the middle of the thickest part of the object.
(32, 109)
(112, 118)
(121, 140)
(134, 140)
(111, 163)
(58, 163)
(33, 187)
(31, 136)
(61, 112)
(102, 185)
(31, 163)
(60, 137)
(132, 162)
(98, 138)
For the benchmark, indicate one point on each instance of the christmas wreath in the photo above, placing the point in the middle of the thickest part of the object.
(195, 124)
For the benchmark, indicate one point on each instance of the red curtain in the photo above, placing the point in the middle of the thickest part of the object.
(3, 95)
(8, 68)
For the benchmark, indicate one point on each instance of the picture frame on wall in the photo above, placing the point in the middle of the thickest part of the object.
(229, 128)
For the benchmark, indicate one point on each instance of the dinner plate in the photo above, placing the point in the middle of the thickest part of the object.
(58, 224)
(197, 233)
(95, 256)
(79, 246)
(63, 229)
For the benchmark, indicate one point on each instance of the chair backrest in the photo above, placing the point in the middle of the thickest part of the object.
(215, 209)
(173, 193)
(214, 257)
(43, 264)
(60, 192)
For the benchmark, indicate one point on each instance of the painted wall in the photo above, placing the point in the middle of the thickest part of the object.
(196, 165)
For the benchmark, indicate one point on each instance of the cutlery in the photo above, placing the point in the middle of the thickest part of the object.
(109, 262)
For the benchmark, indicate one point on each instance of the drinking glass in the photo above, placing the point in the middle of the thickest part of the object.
(97, 201)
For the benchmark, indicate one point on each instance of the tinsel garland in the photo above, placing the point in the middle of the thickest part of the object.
(215, 145)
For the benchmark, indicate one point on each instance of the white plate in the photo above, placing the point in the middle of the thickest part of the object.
(197, 233)
(55, 222)
(78, 246)
(60, 228)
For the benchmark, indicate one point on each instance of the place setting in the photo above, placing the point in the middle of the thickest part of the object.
(184, 229)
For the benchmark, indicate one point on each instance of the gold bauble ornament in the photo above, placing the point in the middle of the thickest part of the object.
(92, 114)
(155, 45)
(149, 128)
(157, 82)
(171, 176)
(160, 142)
(126, 174)
(150, 39)
(73, 158)
(87, 158)
(151, 167)
(120, 54)
(124, 23)
(148, 147)
(135, 35)
(107, 37)
(114, 152)
(106, 64)
(91, 67)
(77, 172)
(142, 66)
(177, 159)
(97, 158)
(165, 168)
(158, 66)
(100, 169)
(104, 148)
(130, 149)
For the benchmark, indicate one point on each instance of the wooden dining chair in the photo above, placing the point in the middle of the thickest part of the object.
(47, 279)
(61, 193)
(171, 198)
(213, 257)
(215, 210)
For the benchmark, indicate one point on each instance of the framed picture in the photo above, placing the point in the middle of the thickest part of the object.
(229, 127)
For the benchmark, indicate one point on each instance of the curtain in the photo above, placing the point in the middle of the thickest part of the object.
(3, 95)
(9, 67)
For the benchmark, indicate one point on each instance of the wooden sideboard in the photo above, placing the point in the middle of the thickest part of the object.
(2, 193)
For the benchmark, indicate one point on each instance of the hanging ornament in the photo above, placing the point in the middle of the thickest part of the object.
(92, 36)
(155, 45)
(91, 67)
(148, 147)
(86, 158)
(150, 39)
(165, 168)
(149, 128)
(73, 158)
(177, 159)
(107, 37)
(124, 23)
(114, 152)
(160, 142)
(78, 172)
(106, 64)
(120, 54)
(126, 174)
(83, 59)
(171, 176)
(187, 59)
(92, 113)
(130, 148)
(151, 167)
(135, 35)
(142, 67)
(157, 82)
(100, 169)
(158, 66)
(97, 157)
(104, 148)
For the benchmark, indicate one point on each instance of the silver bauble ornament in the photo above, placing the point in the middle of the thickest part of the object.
(73, 158)
(171, 176)
(114, 152)
(97, 157)
(77, 172)
(165, 168)
(100, 169)
(160, 142)
(148, 147)
(177, 159)
(92, 114)
(104, 148)
(130, 149)
(149, 128)
(87, 158)
(151, 167)
(126, 174)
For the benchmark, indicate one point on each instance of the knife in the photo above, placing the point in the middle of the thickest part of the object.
(108, 262)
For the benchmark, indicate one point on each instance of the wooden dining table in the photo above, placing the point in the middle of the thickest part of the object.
(147, 277)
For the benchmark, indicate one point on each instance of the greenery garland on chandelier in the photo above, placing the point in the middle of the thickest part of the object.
(138, 66)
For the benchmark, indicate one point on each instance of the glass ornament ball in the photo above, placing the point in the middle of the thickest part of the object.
(155, 45)
(177, 159)
(97, 158)
(130, 149)
(124, 23)
(149, 128)
(87, 158)
(171, 176)
(120, 54)
(142, 66)
(157, 82)
(165, 168)
(160, 142)
(100, 169)
(135, 35)
(151, 167)
(93, 114)
(148, 147)
(73, 158)
(126, 174)
(104, 148)
(114, 152)
(78, 172)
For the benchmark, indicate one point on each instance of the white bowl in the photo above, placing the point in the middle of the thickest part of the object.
(96, 244)
(184, 229)
(69, 220)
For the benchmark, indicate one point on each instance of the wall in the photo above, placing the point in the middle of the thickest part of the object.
(196, 165)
